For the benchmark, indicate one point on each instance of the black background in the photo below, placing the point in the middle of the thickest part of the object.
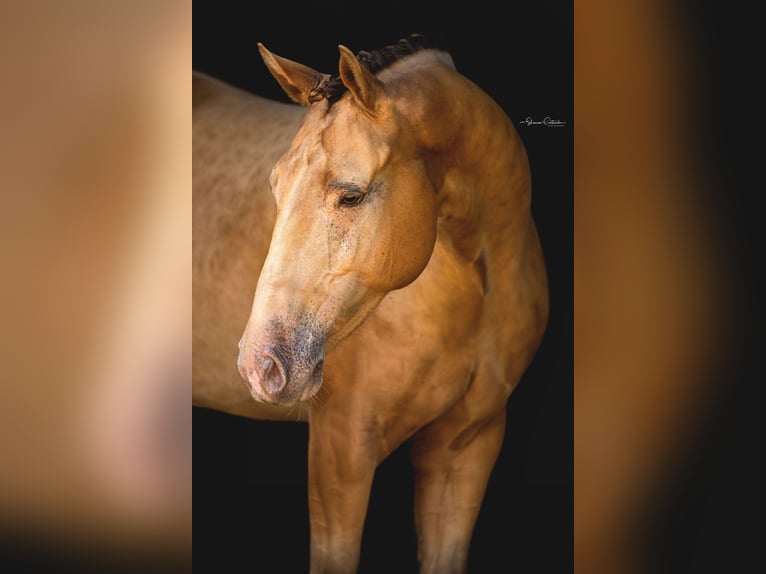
(250, 507)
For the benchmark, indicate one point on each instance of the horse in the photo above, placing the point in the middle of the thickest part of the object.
(367, 262)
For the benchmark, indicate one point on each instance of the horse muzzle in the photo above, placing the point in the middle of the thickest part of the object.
(281, 369)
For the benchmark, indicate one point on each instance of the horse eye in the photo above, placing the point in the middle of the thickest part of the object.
(351, 198)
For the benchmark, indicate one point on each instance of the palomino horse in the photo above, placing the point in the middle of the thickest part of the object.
(402, 293)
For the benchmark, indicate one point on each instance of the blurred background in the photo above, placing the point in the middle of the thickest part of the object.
(637, 442)
(95, 253)
(667, 372)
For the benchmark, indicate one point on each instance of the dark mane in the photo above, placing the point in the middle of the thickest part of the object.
(375, 61)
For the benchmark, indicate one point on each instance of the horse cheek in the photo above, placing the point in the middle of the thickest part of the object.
(413, 242)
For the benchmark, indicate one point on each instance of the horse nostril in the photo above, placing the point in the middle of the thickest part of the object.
(272, 379)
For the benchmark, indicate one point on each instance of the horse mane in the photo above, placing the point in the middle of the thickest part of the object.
(375, 61)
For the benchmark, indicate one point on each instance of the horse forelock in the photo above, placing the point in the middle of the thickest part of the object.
(375, 61)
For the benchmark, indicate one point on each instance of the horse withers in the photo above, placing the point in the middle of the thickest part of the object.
(401, 286)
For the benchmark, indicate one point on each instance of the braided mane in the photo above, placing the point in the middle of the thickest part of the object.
(375, 61)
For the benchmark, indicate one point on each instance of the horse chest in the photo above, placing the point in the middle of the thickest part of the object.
(402, 366)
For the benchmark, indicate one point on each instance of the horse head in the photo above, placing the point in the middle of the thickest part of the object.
(356, 219)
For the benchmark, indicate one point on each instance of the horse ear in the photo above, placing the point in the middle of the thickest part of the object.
(362, 84)
(296, 79)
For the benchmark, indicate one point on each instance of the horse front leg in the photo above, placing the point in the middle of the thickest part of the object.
(452, 462)
(341, 470)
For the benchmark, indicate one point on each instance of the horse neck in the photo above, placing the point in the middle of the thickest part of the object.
(475, 160)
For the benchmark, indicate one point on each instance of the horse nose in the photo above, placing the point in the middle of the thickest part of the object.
(272, 377)
(267, 372)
